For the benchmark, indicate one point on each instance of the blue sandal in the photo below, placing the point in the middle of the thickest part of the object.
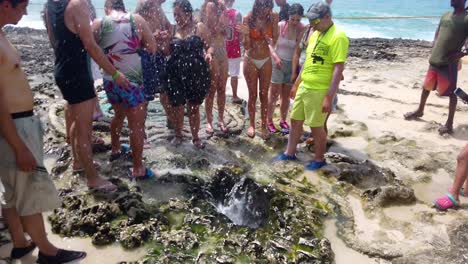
(284, 156)
(148, 175)
(124, 150)
(315, 165)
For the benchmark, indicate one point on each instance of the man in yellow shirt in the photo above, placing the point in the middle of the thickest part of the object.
(316, 86)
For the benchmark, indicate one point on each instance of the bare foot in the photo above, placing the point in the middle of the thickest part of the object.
(445, 130)
(251, 132)
(413, 115)
(177, 140)
(102, 185)
(265, 133)
(222, 127)
(209, 129)
(198, 143)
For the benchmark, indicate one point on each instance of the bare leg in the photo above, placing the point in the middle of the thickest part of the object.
(168, 109)
(34, 226)
(116, 127)
(294, 136)
(15, 227)
(448, 127)
(82, 114)
(194, 120)
(178, 123)
(251, 77)
(272, 98)
(461, 174)
(234, 84)
(285, 101)
(221, 90)
(209, 100)
(320, 139)
(264, 81)
(136, 117)
(420, 111)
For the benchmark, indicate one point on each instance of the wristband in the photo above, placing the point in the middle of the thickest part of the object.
(115, 75)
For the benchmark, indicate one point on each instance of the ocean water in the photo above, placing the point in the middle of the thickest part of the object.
(380, 16)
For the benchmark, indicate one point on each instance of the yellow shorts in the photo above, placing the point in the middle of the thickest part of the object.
(307, 107)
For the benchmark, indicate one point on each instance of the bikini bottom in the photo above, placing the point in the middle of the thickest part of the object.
(259, 63)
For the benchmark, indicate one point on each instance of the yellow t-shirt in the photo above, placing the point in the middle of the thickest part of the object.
(324, 50)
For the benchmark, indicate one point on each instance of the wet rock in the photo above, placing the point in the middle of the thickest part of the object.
(390, 195)
(305, 257)
(225, 259)
(362, 174)
(135, 235)
(105, 235)
(310, 243)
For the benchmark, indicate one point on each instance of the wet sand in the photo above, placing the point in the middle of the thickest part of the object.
(382, 82)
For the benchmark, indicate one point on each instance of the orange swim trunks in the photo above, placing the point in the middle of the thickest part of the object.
(442, 78)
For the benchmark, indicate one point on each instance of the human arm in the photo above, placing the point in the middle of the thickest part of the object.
(272, 41)
(25, 161)
(338, 69)
(80, 16)
(244, 29)
(147, 40)
(204, 34)
(296, 84)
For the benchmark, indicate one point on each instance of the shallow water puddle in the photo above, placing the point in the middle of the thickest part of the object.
(405, 213)
(351, 146)
(364, 226)
(438, 185)
(343, 254)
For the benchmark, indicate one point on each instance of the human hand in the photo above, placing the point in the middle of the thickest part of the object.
(161, 34)
(25, 160)
(269, 40)
(456, 56)
(293, 92)
(122, 81)
(293, 77)
(243, 29)
(327, 104)
(208, 57)
(278, 62)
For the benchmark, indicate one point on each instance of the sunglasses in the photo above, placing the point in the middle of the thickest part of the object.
(315, 21)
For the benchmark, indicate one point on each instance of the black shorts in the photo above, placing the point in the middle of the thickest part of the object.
(154, 74)
(76, 89)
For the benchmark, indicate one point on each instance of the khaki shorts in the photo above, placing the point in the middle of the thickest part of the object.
(29, 192)
(307, 107)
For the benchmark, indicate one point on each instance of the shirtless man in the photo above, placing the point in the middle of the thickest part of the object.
(152, 12)
(29, 191)
(71, 36)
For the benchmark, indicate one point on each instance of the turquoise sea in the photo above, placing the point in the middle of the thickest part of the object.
(360, 18)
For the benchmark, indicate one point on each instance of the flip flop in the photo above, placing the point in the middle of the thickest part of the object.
(461, 193)
(81, 170)
(124, 150)
(445, 202)
(148, 175)
(106, 188)
(237, 101)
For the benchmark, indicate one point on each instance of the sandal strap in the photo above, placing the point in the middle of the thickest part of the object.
(450, 196)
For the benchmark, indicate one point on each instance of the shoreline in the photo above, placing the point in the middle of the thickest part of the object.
(382, 82)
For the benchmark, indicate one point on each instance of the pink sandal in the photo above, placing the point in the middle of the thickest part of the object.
(445, 202)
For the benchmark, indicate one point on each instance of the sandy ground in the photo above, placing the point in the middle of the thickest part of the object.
(374, 96)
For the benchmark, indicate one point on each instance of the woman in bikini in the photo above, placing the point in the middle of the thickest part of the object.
(188, 70)
(213, 16)
(259, 41)
(290, 34)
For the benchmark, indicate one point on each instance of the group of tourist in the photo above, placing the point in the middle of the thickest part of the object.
(141, 54)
